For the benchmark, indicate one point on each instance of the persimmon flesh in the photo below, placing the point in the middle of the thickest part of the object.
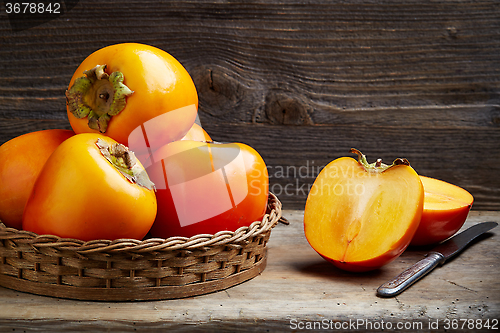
(361, 216)
(446, 207)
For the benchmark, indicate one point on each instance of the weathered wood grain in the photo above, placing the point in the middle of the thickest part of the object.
(298, 287)
(295, 155)
(301, 81)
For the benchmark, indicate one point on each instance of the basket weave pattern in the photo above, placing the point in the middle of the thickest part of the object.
(128, 269)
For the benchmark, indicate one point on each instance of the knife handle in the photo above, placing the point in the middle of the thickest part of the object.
(411, 275)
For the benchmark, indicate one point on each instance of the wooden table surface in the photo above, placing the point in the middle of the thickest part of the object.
(298, 290)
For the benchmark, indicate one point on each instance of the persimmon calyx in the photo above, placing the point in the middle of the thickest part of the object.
(97, 96)
(377, 166)
(125, 161)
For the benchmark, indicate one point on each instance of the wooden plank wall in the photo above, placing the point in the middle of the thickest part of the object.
(300, 81)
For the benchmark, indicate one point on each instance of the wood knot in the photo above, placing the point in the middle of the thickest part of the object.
(283, 109)
(219, 93)
(452, 31)
(495, 115)
(495, 120)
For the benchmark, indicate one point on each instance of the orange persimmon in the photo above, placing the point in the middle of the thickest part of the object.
(139, 95)
(90, 188)
(197, 133)
(361, 216)
(21, 160)
(207, 187)
(446, 207)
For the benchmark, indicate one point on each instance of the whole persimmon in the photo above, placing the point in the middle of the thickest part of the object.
(207, 187)
(361, 216)
(21, 160)
(91, 188)
(139, 95)
(446, 207)
(197, 133)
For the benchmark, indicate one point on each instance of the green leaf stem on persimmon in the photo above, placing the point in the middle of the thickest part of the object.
(98, 96)
(125, 162)
(377, 166)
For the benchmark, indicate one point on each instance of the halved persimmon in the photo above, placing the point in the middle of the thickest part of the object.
(446, 207)
(361, 216)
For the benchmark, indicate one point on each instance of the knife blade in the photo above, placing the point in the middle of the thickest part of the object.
(437, 256)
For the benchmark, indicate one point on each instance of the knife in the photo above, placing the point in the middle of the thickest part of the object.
(438, 256)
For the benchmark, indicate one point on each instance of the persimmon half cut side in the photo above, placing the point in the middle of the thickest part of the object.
(446, 207)
(360, 216)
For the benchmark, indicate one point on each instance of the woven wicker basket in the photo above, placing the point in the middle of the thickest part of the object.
(126, 270)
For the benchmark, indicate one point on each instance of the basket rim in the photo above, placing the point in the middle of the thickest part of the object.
(269, 221)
